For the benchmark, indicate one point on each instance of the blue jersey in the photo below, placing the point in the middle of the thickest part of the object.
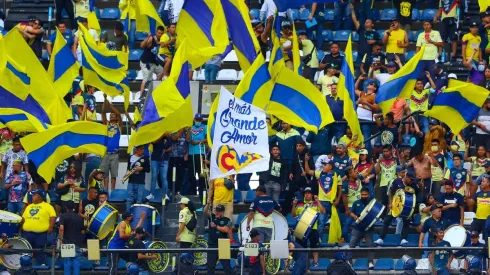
(340, 163)
(441, 257)
(68, 36)
(114, 134)
(197, 133)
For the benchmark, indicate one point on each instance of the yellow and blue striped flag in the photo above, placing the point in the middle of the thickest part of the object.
(346, 91)
(20, 121)
(276, 61)
(458, 105)
(14, 76)
(298, 67)
(147, 18)
(48, 148)
(401, 84)
(63, 66)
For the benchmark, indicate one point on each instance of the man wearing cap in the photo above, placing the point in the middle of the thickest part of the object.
(71, 231)
(391, 67)
(432, 41)
(453, 205)
(487, 173)
(478, 252)
(196, 136)
(341, 160)
(37, 222)
(186, 235)
(257, 263)
(119, 237)
(261, 211)
(482, 123)
(441, 259)
(329, 189)
(310, 57)
(325, 82)
(219, 228)
(309, 202)
(471, 46)
(431, 224)
(482, 202)
(262, 33)
(374, 62)
(16, 184)
(140, 258)
(409, 185)
(396, 40)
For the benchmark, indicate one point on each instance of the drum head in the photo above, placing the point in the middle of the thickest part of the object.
(200, 258)
(366, 210)
(12, 261)
(108, 221)
(456, 235)
(9, 217)
(159, 265)
(398, 202)
(243, 234)
(281, 229)
(136, 210)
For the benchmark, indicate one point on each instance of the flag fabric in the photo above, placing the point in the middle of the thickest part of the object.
(276, 61)
(204, 24)
(20, 121)
(458, 105)
(147, 18)
(93, 22)
(14, 76)
(42, 101)
(401, 84)
(63, 66)
(168, 108)
(297, 101)
(335, 228)
(484, 4)
(48, 148)
(240, 28)
(298, 67)
(284, 5)
(137, 116)
(346, 91)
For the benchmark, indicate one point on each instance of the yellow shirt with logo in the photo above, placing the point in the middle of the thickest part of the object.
(388, 171)
(477, 166)
(419, 101)
(482, 200)
(185, 216)
(221, 193)
(452, 12)
(336, 181)
(302, 206)
(393, 38)
(82, 8)
(472, 42)
(285, 41)
(37, 217)
(164, 50)
(431, 51)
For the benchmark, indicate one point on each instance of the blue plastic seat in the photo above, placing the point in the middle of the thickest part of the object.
(355, 55)
(322, 265)
(64, 15)
(341, 36)
(97, 12)
(416, 220)
(132, 76)
(384, 264)
(250, 197)
(86, 264)
(103, 264)
(428, 14)
(327, 35)
(110, 14)
(291, 220)
(376, 14)
(295, 14)
(157, 196)
(410, 54)
(329, 14)
(121, 265)
(237, 196)
(416, 36)
(415, 14)
(399, 264)
(360, 264)
(254, 14)
(391, 240)
(118, 195)
(381, 33)
(140, 36)
(388, 14)
(411, 37)
(240, 218)
(304, 14)
(135, 54)
(355, 36)
(325, 243)
(413, 240)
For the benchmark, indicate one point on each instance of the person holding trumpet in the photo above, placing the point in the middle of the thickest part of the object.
(312, 202)
(138, 165)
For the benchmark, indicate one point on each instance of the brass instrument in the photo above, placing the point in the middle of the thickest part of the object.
(128, 174)
(204, 167)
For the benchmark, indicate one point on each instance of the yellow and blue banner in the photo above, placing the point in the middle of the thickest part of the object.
(401, 84)
(93, 22)
(346, 91)
(48, 148)
(63, 66)
(20, 121)
(276, 61)
(484, 4)
(14, 76)
(240, 28)
(458, 105)
(147, 18)
(297, 65)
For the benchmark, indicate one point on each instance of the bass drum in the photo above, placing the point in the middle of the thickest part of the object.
(272, 266)
(200, 258)
(159, 265)
(12, 261)
(280, 232)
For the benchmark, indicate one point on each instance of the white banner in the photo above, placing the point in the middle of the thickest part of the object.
(240, 140)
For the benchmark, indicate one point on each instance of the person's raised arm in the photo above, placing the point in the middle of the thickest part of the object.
(308, 171)
(104, 112)
(354, 17)
(264, 36)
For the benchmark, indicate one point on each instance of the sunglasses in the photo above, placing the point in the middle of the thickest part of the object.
(73, 166)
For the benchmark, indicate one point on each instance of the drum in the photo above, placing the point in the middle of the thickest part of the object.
(370, 214)
(103, 221)
(280, 231)
(305, 224)
(137, 209)
(200, 258)
(159, 265)
(9, 223)
(457, 236)
(272, 266)
(12, 261)
(403, 204)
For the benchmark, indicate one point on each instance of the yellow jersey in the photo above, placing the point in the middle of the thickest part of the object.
(165, 50)
(221, 193)
(482, 200)
(37, 217)
(185, 216)
(472, 43)
(393, 38)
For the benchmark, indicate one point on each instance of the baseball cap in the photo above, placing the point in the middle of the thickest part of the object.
(99, 171)
(341, 144)
(17, 161)
(82, 20)
(394, 19)
(260, 188)
(126, 215)
(400, 168)
(36, 192)
(327, 161)
(434, 207)
(220, 208)
(453, 76)
(140, 230)
(69, 204)
(302, 142)
(307, 189)
(285, 23)
(184, 200)
(363, 152)
(473, 24)
(475, 234)
(255, 23)
(198, 116)
(410, 174)
(487, 164)
(301, 32)
(391, 64)
(254, 232)
(486, 13)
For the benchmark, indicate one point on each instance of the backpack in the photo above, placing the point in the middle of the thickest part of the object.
(192, 223)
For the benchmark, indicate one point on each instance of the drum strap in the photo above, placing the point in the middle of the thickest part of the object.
(303, 171)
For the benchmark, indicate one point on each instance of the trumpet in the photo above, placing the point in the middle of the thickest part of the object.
(128, 174)
(204, 167)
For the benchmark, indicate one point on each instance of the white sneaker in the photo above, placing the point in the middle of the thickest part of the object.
(371, 265)
(404, 242)
(150, 196)
(379, 241)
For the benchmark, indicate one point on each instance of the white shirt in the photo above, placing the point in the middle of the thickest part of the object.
(173, 7)
(382, 78)
(92, 33)
(268, 9)
(318, 163)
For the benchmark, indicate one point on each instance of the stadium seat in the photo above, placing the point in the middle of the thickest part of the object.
(86, 264)
(360, 264)
(97, 12)
(355, 36)
(135, 54)
(468, 217)
(117, 99)
(411, 37)
(329, 13)
(376, 15)
(103, 265)
(240, 75)
(132, 75)
(327, 35)
(52, 196)
(3, 195)
(304, 14)
(384, 264)
(291, 220)
(341, 36)
(121, 265)
(416, 36)
(295, 14)
(413, 240)
(410, 54)
(391, 240)
(399, 265)
(381, 33)
(237, 196)
(415, 15)
(254, 14)
(200, 75)
(227, 75)
(140, 36)
(231, 57)
(110, 14)
(118, 195)
(239, 219)
(250, 196)
(423, 264)
(388, 14)
(157, 196)
(322, 265)
(57, 264)
(416, 220)
(428, 14)
(325, 243)
(355, 55)
(64, 15)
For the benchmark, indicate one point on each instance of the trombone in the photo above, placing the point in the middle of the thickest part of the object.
(128, 174)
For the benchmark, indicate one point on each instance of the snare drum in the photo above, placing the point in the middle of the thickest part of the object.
(12, 261)
(137, 209)
(280, 231)
(457, 236)
(305, 224)
(9, 223)
(161, 263)
(103, 221)
(403, 204)
(369, 215)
